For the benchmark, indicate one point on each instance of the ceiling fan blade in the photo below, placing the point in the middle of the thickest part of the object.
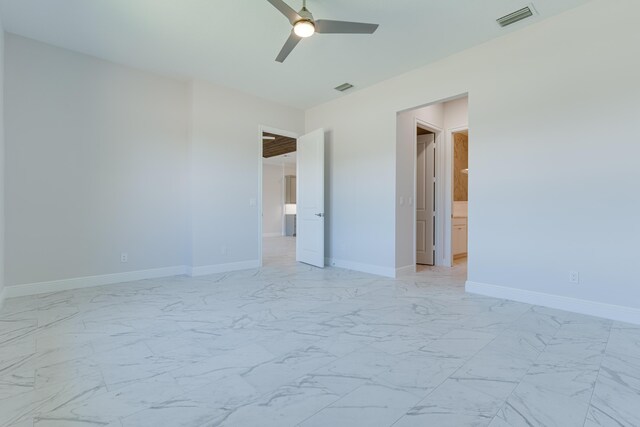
(327, 26)
(291, 42)
(286, 10)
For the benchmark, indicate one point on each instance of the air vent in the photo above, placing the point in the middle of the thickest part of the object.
(344, 87)
(516, 16)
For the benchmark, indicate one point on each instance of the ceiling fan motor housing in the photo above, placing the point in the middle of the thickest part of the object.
(304, 25)
(305, 15)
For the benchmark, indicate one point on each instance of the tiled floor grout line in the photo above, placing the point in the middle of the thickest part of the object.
(345, 394)
(325, 407)
(358, 386)
(386, 336)
(465, 362)
(595, 383)
(528, 370)
(533, 363)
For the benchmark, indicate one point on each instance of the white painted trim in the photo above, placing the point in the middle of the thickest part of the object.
(268, 129)
(277, 131)
(406, 270)
(440, 176)
(3, 294)
(91, 281)
(427, 126)
(591, 308)
(434, 102)
(283, 199)
(364, 268)
(222, 268)
(272, 234)
(129, 276)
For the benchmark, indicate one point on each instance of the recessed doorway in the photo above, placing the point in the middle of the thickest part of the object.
(426, 222)
(279, 192)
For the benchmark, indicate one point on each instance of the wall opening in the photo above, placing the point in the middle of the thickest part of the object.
(425, 185)
(278, 220)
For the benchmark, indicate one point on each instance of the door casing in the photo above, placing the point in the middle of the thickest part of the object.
(440, 237)
(261, 130)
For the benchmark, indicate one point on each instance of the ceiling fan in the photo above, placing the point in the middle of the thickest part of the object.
(305, 26)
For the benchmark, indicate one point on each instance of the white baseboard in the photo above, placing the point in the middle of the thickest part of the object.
(406, 270)
(129, 276)
(592, 308)
(365, 268)
(91, 281)
(272, 234)
(222, 268)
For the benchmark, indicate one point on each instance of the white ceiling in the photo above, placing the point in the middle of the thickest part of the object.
(284, 159)
(234, 42)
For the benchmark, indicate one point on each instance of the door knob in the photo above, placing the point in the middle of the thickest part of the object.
(320, 215)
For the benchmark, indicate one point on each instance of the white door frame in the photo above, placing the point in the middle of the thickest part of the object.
(450, 160)
(261, 130)
(444, 190)
(439, 227)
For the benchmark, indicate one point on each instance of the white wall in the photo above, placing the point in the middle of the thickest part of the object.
(552, 113)
(290, 169)
(272, 199)
(2, 166)
(456, 114)
(96, 165)
(104, 159)
(226, 164)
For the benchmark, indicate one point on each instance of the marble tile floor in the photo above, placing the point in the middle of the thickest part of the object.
(291, 345)
(278, 251)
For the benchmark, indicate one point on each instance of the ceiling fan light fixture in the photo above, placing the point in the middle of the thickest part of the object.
(304, 25)
(304, 28)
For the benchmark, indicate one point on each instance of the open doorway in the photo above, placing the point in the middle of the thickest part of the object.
(427, 219)
(292, 195)
(279, 198)
(460, 215)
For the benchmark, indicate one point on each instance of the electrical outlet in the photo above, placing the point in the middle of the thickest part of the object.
(124, 257)
(224, 250)
(574, 277)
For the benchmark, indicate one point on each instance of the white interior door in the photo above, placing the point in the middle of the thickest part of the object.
(310, 199)
(425, 199)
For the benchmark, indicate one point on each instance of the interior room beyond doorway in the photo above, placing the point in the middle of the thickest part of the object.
(460, 215)
(428, 216)
(279, 192)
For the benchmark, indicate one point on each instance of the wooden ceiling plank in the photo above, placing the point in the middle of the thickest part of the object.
(278, 146)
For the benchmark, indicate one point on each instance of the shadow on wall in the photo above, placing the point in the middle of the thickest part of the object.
(328, 173)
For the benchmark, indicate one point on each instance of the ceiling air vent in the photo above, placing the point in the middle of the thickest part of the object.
(516, 16)
(344, 87)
